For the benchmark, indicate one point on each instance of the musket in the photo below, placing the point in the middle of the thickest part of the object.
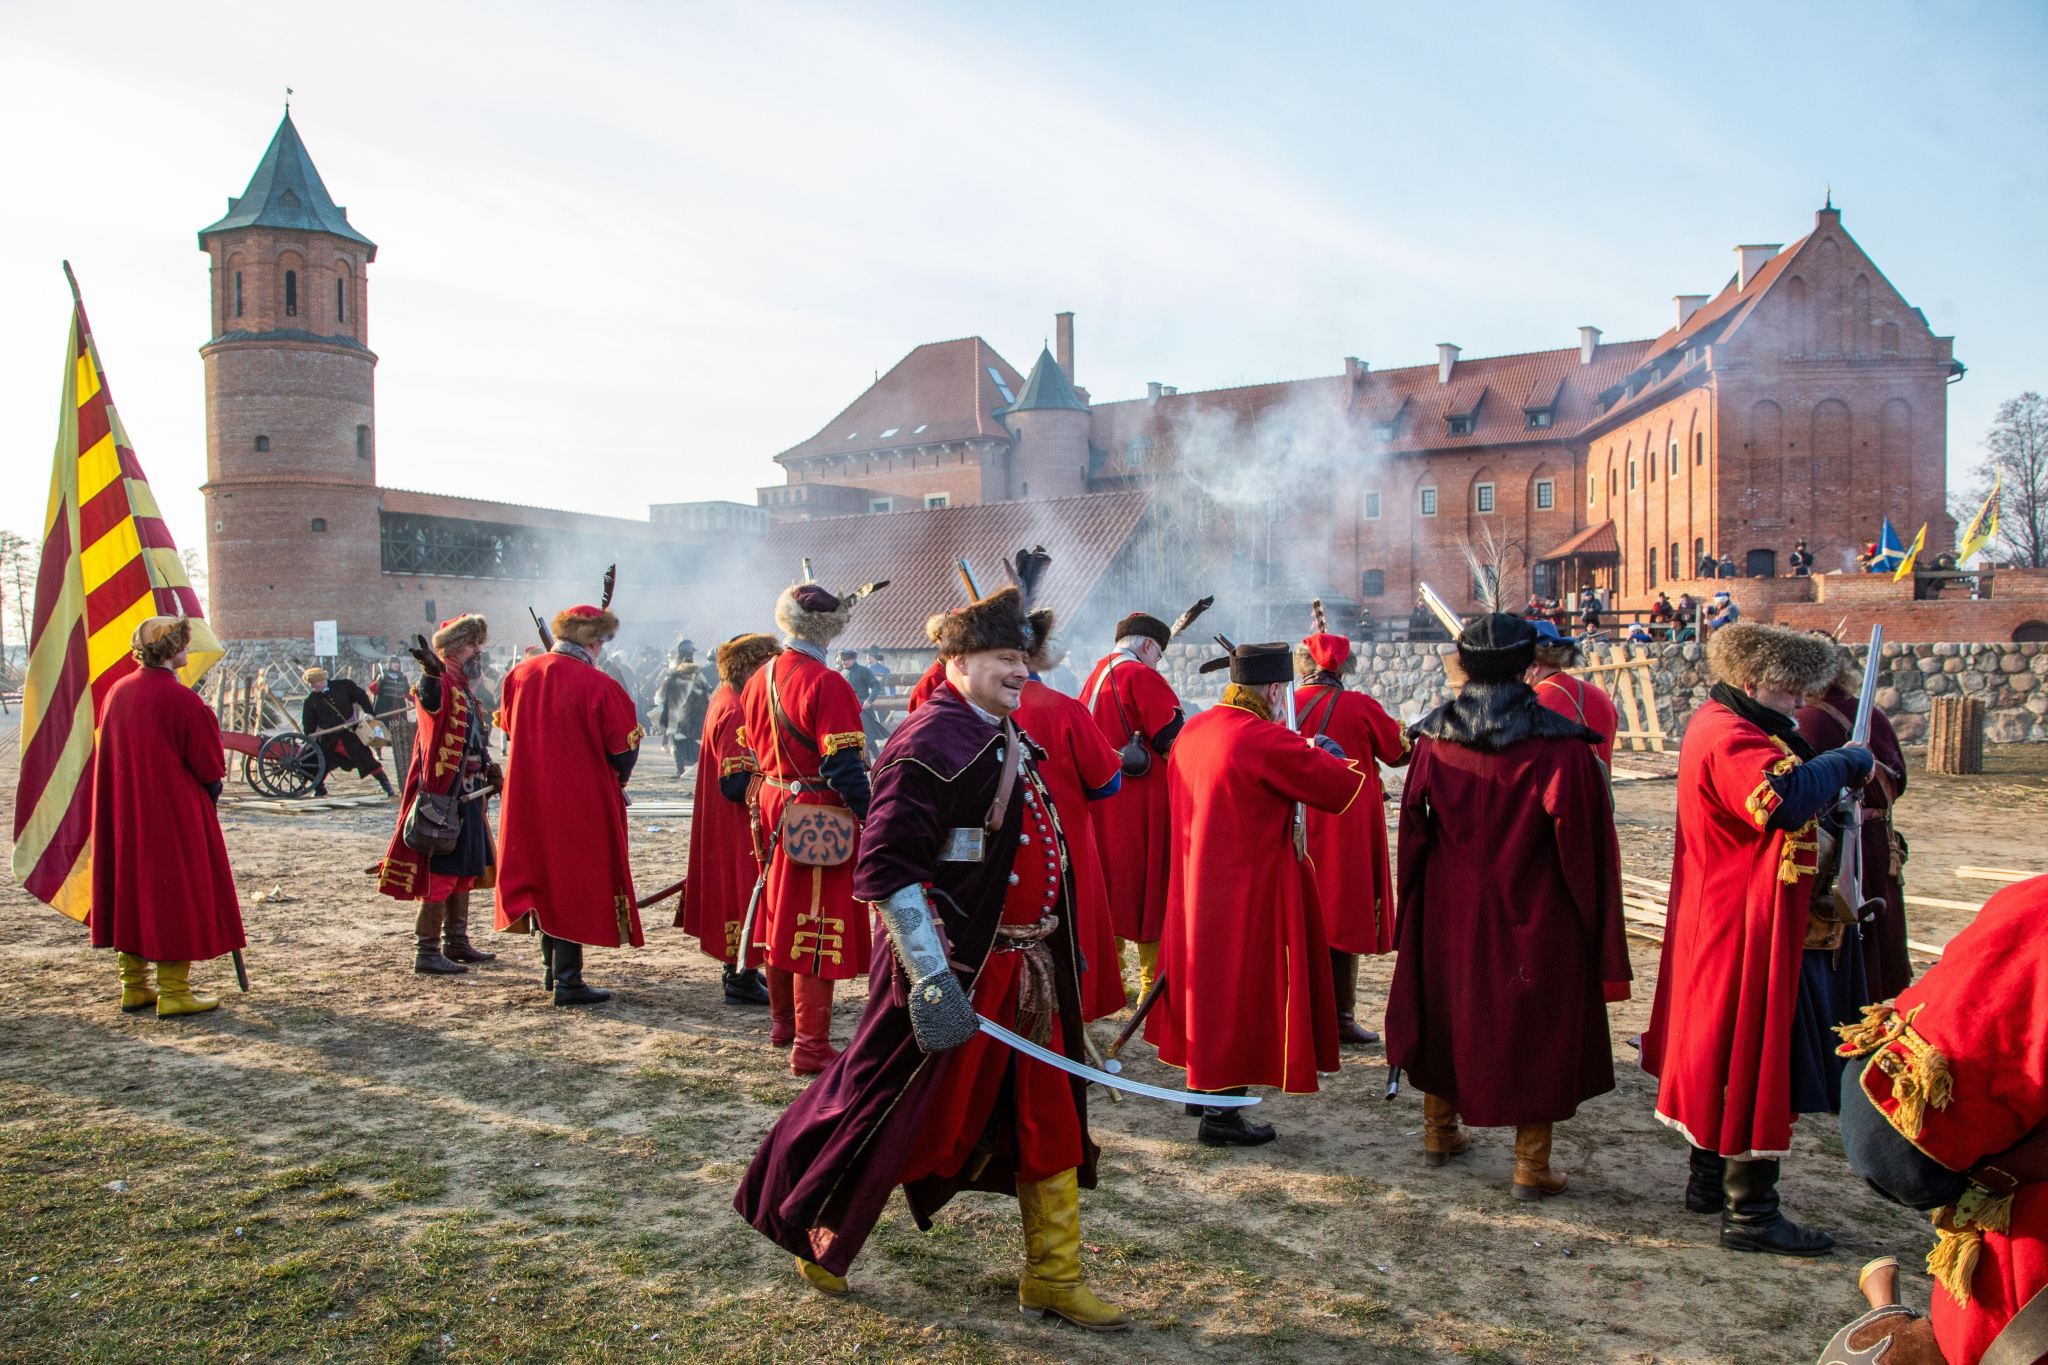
(966, 571)
(753, 905)
(662, 895)
(351, 724)
(1849, 897)
(1144, 1008)
(1300, 808)
(809, 577)
(547, 641)
(1441, 610)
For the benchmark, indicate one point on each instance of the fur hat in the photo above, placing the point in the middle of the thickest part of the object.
(160, 639)
(458, 631)
(586, 625)
(742, 654)
(1048, 642)
(1151, 627)
(1324, 653)
(1496, 647)
(1751, 654)
(1256, 665)
(313, 677)
(809, 613)
(995, 622)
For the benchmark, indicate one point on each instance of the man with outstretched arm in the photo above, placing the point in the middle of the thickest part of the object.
(963, 858)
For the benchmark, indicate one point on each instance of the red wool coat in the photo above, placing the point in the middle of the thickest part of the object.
(1585, 703)
(563, 825)
(810, 920)
(435, 767)
(1079, 760)
(1131, 827)
(1248, 998)
(1720, 1035)
(161, 887)
(1354, 879)
(722, 866)
(1983, 1009)
(1510, 924)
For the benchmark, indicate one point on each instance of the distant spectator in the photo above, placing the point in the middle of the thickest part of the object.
(1639, 634)
(1708, 565)
(1725, 612)
(1726, 568)
(1661, 611)
(1802, 561)
(1589, 608)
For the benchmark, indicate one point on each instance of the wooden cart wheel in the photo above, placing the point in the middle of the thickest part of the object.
(288, 767)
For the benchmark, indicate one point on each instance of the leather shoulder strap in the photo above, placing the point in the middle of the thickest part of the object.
(780, 717)
(1012, 757)
(1101, 678)
(1578, 698)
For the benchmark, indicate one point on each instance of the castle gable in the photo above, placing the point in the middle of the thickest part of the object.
(942, 391)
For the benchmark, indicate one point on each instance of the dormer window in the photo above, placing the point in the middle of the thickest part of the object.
(288, 200)
(1384, 431)
(291, 293)
(1460, 426)
(1537, 420)
(1138, 453)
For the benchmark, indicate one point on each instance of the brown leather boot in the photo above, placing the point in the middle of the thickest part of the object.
(427, 959)
(1534, 1175)
(1443, 1137)
(781, 1007)
(813, 1051)
(455, 933)
(1344, 974)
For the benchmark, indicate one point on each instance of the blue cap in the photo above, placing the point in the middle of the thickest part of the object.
(1548, 634)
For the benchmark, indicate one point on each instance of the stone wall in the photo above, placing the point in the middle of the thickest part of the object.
(2010, 679)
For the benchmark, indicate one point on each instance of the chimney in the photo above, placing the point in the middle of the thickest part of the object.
(1753, 258)
(1063, 343)
(1589, 342)
(1152, 391)
(1168, 390)
(1446, 357)
(1688, 304)
(1354, 370)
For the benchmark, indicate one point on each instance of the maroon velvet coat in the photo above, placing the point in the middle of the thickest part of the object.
(161, 887)
(1826, 725)
(822, 1175)
(1510, 912)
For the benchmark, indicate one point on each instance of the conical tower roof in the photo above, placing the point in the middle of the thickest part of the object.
(286, 192)
(1048, 387)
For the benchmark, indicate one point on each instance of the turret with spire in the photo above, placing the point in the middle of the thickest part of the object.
(1049, 457)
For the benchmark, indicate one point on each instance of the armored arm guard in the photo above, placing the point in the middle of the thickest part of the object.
(940, 1013)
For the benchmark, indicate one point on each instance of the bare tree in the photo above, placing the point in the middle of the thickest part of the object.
(194, 561)
(18, 555)
(2016, 459)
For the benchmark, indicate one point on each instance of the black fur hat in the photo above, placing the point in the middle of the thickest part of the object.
(1496, 647)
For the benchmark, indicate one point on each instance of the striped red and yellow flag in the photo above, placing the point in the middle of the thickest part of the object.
(108, 564)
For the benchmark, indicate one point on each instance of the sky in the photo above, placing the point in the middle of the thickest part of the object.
(627, 252)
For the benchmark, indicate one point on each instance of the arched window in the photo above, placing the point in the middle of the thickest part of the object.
(263, 443)
(1673, 567)
(1699, 448)
(319, 523)
(238, 293)
(1653, 568)
(340, 298)
(362, 442)
(291, 293)
(1699, 554)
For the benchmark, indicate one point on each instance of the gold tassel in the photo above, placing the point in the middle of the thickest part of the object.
(1959, 1232)
(1876, 1029)
(1920, 1079)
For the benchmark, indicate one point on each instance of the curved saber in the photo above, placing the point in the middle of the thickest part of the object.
(1104, 1078)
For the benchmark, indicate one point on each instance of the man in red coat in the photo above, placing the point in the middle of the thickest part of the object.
(1949, 1114)
(802, 724)
(1079, 768)
(1825, 722)
(1248, 999)
(573, 739)
(451, 756)
(723, 867)
(1752, 980)
(1510, 920)
(162, 892)
(1585, 703)
(1354, 879)
(1139, 715)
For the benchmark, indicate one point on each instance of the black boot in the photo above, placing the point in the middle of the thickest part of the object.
(1223, 1127)
(455, 932)
(383, 782)
(427, 959)
(547, 962)
(745, 988)
(1703, 1182)
(569, 987)
(1750, 1220)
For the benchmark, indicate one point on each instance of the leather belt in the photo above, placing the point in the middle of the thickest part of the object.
(798, 784)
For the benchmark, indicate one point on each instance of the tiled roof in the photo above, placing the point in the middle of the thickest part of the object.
(1048, 387)
(942, 391)
(1594, 540)
(286, 192)
(915, 552)
(414, 503)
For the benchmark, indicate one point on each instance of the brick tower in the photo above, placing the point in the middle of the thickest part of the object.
(291, 454)
(1050, 423)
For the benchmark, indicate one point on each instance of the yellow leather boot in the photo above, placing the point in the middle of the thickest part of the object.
(1148, 967)
(174, 991)
(1443, 1137)
(136, 995)
(821, 1279)
(1052, 1257)
(1534, 1176)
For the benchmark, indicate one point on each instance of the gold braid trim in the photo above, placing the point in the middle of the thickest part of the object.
(1920, 1078)
(1959, 1238)
(1791, 866)
(727, 767)
(1877, 1029)
(851, 739)
(1764, 799)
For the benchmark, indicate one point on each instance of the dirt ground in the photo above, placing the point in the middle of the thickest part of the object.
(354, 1163)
